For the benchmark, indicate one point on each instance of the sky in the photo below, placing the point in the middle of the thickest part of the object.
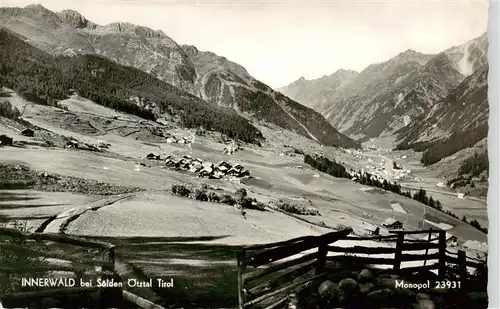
(281, 41)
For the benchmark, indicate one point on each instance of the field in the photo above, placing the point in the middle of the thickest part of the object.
(161, 235)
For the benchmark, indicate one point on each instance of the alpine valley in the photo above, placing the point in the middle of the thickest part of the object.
(178, 157)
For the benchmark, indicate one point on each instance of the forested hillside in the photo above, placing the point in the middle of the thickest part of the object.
(45, 79)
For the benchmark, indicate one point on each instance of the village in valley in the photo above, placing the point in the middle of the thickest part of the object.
(191, 171)
(385, 170)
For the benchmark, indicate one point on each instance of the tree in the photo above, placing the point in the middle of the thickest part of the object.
(43, 79)
(240, 195)
(431, 202)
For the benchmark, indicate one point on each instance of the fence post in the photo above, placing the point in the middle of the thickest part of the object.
(321, 259)
(240, 255)
(399, 251)
(111, 297)
(427, 249)
(462, 267)
(442, 255)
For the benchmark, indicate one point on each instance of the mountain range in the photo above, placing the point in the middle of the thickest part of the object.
(405, 95)
(213, 80)
(418, 98)
(458, 121)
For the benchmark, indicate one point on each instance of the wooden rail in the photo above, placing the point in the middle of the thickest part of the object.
(61, 238)
(77, 265)
(110, 297)
(268, 273)
(273, 276)
(139, 301)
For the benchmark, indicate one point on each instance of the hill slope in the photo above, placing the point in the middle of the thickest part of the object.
(202, 74)
(459, 121)
(316, 93)
(69, 33)
(45, 79)
(388, 96)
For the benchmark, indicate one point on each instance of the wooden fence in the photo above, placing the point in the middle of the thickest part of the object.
(269, 273)
(104, 267)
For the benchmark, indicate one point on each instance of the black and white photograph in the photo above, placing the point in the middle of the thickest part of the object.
(253, 154)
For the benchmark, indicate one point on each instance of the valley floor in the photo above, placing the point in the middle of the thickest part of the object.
(161, 234)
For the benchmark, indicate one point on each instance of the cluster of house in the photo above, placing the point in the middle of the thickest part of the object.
(389, 223)
(400, 174)
(74, 144)
(441, 185)
(381, 171)
(318, 155)
(288, 152)
(207, 169)
(358, 154)
(174, 140)
(355, 176)
(394, 224)
(231, 149)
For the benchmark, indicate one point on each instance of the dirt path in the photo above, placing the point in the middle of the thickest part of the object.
(124, 269)
(60, 222)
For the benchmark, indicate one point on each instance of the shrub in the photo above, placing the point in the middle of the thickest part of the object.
(240, 195)
(213, 197)
(297, 209)
(180, 190)
(341, 227)
(298, 151)
(227, 199)
(251, 203)
(7, 111)
(200, 195)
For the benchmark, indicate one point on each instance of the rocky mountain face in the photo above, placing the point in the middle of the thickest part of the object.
(457, 122)
(317, 93)
(389, 96)
(203, 74)
(228, 84)
(471, 56)
(45, 79)
(69, 33)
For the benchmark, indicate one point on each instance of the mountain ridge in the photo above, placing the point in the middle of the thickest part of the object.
(457, 122)
(387, 96)
(206, 75)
